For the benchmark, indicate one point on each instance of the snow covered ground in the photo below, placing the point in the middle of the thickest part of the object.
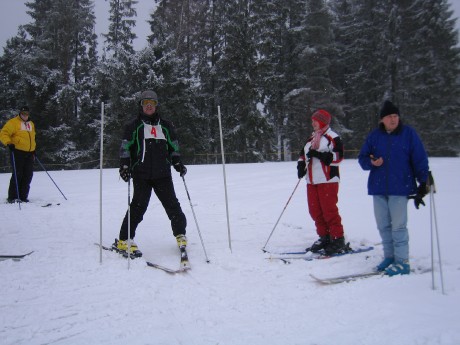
(62, 294)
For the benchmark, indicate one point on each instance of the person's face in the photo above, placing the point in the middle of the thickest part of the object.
(149, 106)
(390, 122)
(315, 124)
(24, 115)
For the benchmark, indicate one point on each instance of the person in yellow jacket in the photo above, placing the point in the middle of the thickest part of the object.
(18, 134)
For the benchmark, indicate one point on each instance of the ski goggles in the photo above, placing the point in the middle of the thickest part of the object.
(146, 102)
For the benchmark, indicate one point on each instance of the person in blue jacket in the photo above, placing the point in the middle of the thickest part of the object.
(397, 160)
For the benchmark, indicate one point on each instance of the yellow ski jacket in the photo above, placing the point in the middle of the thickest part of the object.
(20, 133)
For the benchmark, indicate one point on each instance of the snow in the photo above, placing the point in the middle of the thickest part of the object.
(63, 294)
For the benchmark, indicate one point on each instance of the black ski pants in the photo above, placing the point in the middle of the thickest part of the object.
(24, 168)
(164, 190)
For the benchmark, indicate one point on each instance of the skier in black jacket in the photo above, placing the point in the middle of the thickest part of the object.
(149, 147)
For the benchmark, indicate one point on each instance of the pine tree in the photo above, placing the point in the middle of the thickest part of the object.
(120, 35)
(276, 33)
(314, 88)
(60, 60)
(175, 42)
(364, 45)
(428, 62)
(14, 89)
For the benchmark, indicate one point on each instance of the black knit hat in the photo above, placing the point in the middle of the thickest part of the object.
(388, 108)
(24, 108)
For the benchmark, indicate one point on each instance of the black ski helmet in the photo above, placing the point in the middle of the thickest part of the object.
(149, 94)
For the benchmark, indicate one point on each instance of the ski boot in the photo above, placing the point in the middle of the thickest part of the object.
(384, 264)
(181, 241)
(398, 268)
(337, 246)
(121, 246)
(319, 244)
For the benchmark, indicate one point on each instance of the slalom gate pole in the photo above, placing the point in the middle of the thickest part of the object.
(13, 161)
(435, 235)
(225, 176)
(129, 222)
(101, 166)
(284, 209)
(49, 176)
(196, 222)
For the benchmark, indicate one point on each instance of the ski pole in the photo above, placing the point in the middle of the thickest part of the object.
(225, 177)
(15, 177)
(434, 233)
(196, 222)
(129, 221)
(263, 249)
(101, 170)
(49, 176)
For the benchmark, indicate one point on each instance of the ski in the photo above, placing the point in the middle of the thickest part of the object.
(50, 204)
(287, 252)
(164, 268)
(315, 256)
(356, 276)
(15, 257)
(182, 268)
(297, 252)
(184, 262)
(345, 278)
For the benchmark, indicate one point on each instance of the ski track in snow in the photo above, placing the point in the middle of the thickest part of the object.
(62, 294)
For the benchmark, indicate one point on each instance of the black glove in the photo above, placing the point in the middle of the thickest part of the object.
(125, 174)
(301, 169)
(11, 147)
(178, 166)
(325, 157)
(418, 198)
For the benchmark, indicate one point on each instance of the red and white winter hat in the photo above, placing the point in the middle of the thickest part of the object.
(322, 116)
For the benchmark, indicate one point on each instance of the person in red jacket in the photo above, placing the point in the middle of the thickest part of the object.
(18, 134)
(319, 160)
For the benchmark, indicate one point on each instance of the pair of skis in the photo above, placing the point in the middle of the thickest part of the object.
(309, 256)
(183, 266)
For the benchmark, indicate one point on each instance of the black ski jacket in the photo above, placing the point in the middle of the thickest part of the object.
(148, 146)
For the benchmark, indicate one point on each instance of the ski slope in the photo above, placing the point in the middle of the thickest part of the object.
(64, 294)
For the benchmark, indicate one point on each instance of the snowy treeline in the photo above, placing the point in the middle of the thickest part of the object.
(268, 64)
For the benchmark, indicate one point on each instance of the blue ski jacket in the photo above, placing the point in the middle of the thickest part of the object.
(404, 161)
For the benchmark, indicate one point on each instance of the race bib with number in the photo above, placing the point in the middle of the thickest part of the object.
(153, 132)
(26, 126)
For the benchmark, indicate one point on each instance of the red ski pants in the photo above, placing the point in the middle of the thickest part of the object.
(322, 205)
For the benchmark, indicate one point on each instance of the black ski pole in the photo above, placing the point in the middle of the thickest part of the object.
(129, 222)
(49, 176)
(15, 177)
(284, 209)
(196, 222)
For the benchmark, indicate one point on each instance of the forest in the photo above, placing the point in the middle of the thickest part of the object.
(267, 64)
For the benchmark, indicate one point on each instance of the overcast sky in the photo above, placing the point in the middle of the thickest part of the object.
(13, 13)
